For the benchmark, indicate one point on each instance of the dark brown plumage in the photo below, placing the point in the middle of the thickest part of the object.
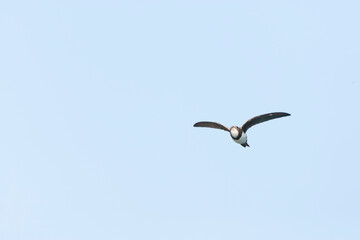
(211, 125)
(262, 118)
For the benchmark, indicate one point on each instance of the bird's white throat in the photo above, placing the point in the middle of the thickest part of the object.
(234, 132)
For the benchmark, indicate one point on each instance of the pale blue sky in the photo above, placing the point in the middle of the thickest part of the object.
(98, 100)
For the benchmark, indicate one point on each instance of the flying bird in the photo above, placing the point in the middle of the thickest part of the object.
(239, 134)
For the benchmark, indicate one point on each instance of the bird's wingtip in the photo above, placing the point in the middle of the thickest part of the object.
(285, 114)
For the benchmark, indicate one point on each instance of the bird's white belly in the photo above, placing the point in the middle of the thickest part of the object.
(242, 139)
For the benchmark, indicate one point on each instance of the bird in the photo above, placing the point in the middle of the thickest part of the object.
(239, 134)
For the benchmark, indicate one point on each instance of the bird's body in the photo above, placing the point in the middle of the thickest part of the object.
(239, 134)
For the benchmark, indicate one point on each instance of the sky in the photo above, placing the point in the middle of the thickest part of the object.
(98, 101)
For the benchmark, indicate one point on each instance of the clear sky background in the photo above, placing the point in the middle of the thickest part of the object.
(98, 101)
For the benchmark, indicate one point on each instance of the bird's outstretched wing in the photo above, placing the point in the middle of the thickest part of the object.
(211, 125)
(262, 118)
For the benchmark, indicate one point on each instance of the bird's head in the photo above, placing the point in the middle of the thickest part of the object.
(235, 132)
